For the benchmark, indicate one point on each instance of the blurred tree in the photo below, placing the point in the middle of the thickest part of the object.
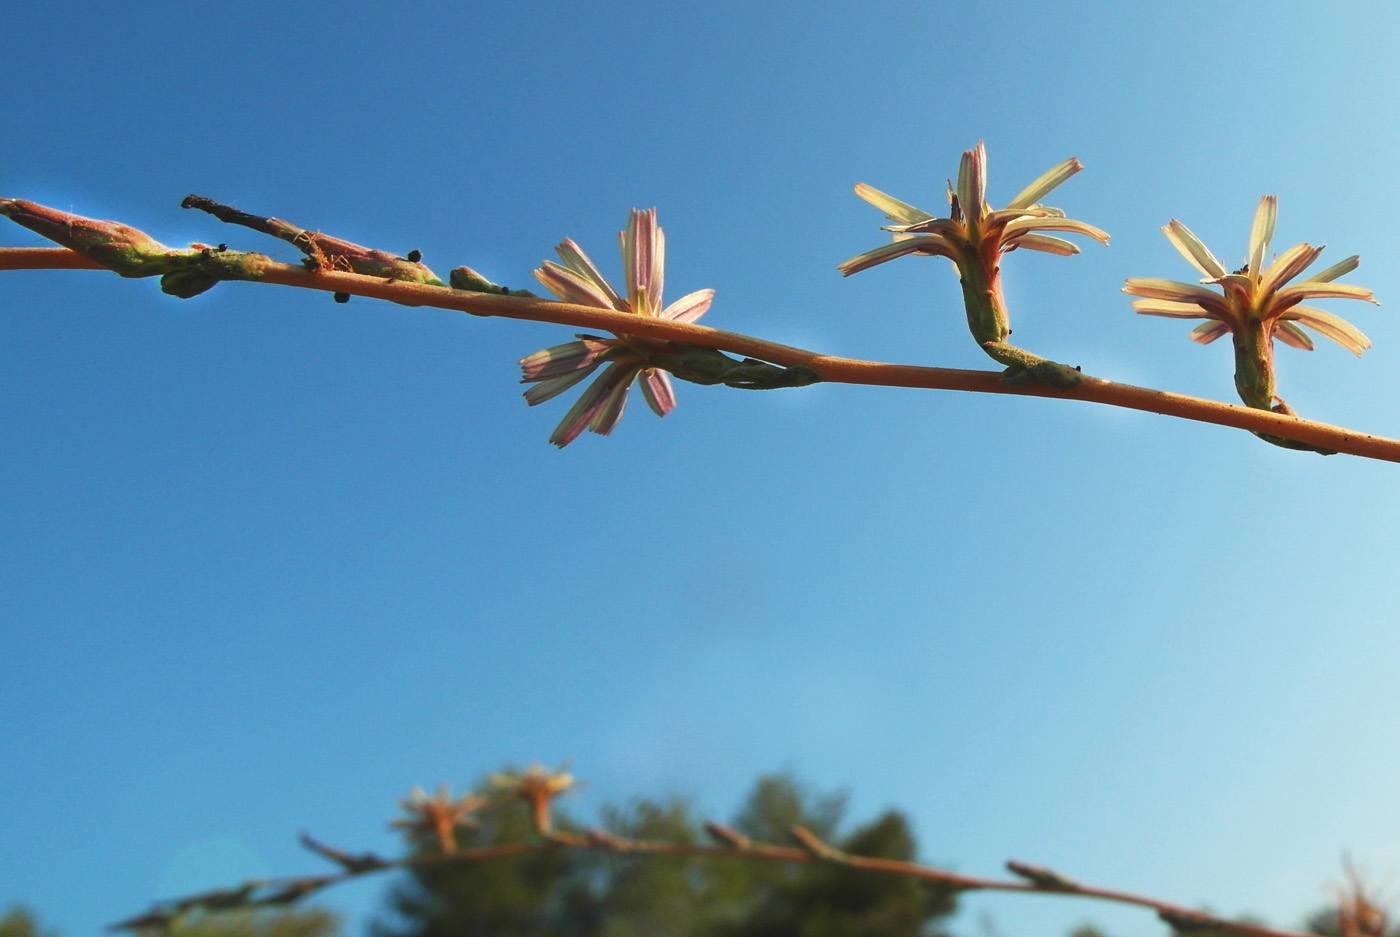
(19, 921)
(601, 894)
(308, 922)
(312, 922)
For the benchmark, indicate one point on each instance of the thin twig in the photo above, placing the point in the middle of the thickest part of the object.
(287, 890)
(830, 367)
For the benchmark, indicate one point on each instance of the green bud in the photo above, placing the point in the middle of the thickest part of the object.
(465, 278)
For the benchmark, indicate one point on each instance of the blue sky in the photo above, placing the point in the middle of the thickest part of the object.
(267, 561)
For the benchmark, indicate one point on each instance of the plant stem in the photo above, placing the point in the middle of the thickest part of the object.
(830, 367)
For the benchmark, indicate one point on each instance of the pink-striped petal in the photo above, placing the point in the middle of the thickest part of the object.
(972, 182)
(1207, 332)
(576, 260)
(1330, 326)
(607, 417)
(562, 359)
(594, 397)
(1313, 289)
(550, 388)
(689, 307)
(1028, 223)
(1290, 334)
(657, 390)
(919, 244)
(1044, 242)
(1154, 288)
(572, 287)
(640, 244)
(943, 226)
(1287, 266)
(1169, 309)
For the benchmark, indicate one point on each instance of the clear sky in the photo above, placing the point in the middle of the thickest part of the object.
(267, 561)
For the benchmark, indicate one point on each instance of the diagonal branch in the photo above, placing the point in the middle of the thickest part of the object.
(1038, 880)
(830, 367)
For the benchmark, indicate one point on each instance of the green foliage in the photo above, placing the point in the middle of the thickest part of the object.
(584, 893)
(311, 922)
(1086, 930)
(1328, 923)
(19, 921)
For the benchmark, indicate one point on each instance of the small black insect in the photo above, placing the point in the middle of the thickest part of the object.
(342, 297)
(414, 256)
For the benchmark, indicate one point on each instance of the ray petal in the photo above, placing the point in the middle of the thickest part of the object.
(572, 287)
(1338, 269)
(972, 182)
(1169, 310)
(1288, 265)
(576, 260)
(1046, 243)
(1068, 225)
(925, 244)
(1155, 288)
(593, 398)
(1207, 332)
(894, 209)
(1312, 289)
(608, 415)
(1290, 334)
(1046, 183)
(658, 266)
(1330, 326)
(657, 391)
(689, 307)
(562, 359)
(550, 388)
(933, 226)
(1262, 232)
(1193, 249)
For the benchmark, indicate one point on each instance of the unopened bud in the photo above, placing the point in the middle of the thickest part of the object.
(465, 278)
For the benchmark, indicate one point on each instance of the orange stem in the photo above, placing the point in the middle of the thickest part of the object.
(830, 367)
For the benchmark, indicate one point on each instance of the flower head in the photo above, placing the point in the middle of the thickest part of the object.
(554, 370)
(438, 816)
(974, 232)
(1256, 303)
(973, 237)
(537, 786)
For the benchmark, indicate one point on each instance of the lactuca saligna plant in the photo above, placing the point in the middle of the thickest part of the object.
(652, 343)
(538, 787)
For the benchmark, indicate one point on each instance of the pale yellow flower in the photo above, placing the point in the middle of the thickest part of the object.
(1255, 304)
